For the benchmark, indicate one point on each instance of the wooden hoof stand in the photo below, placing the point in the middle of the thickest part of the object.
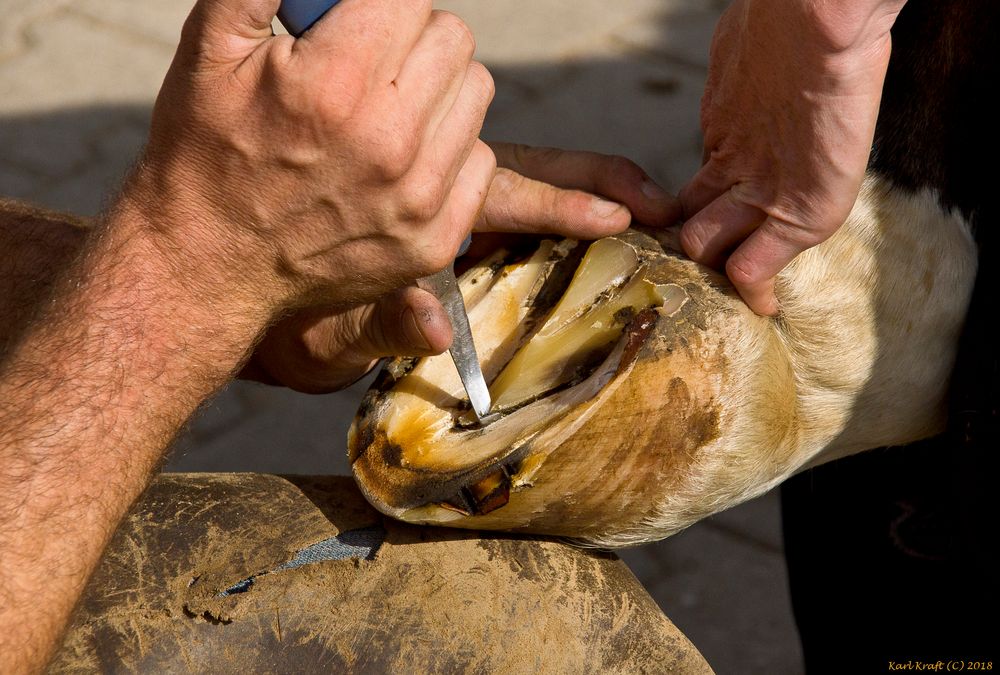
(250, 573)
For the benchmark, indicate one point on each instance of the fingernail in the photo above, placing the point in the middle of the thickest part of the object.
(412, 325)
(602, 208)
(653, 191)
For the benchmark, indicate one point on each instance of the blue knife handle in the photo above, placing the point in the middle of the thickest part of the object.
(297, 16)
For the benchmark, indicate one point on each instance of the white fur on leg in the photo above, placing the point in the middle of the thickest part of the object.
(860, 357)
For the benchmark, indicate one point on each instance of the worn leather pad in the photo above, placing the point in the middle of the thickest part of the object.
(172, 592)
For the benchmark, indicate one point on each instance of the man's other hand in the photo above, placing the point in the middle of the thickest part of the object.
(788, 117)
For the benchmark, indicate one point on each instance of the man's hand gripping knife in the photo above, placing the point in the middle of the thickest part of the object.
(298, 16)
(279, 174)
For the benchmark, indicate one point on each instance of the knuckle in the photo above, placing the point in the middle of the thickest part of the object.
(693, 241)
(431, 259)
(484, 156)
(742, 271)
(281, 77)
(277, 57)
(337, 99)
(531, 155)
(459, 29)
(193, 29)
(393, 155)
(480, 79)
(441, 258)
(623, 167)
(422, 201)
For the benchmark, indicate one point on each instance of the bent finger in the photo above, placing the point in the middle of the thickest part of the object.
(439, 241)
(451, 143)
(240, 18)
(704, 188)
(754, 265)
(434, 73)
(323, 350)
(713, 232)
(441, 158)
(228, 31)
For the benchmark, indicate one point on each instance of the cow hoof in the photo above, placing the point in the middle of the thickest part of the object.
(575, 340)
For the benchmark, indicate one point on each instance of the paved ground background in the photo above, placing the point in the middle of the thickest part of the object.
(77, 80)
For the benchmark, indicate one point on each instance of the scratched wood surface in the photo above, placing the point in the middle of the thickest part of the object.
(430, 600)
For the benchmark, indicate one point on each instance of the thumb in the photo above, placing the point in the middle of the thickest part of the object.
(408, 322)
(229, 30)
(319, 351)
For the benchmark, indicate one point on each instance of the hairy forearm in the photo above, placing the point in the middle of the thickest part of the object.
(91, 392)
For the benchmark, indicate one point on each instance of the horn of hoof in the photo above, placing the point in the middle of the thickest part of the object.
(575, 340)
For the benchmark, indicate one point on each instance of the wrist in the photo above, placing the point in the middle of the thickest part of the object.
(215, 260)
(188, 297)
